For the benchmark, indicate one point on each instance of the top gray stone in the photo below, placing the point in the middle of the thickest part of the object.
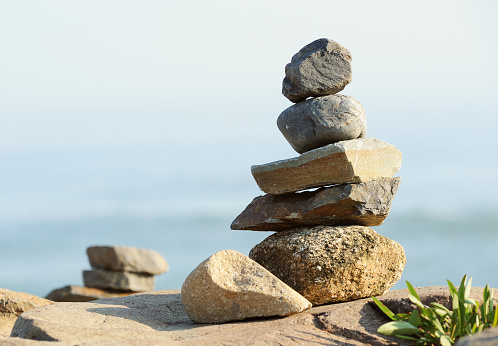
(320, 68)
(129, 259)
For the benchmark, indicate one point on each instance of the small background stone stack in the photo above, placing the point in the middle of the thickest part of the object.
(323, 249)
(117, 271)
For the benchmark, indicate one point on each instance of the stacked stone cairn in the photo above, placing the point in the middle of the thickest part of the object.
(116, 271)
(322, 248)
(322, 251)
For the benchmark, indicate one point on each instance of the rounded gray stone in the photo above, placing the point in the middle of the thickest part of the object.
(320, 121)
(320, 68)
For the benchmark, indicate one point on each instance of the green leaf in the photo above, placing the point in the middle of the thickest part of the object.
(440, 306)
(416, 301)
(414, 319)
(461, 289)
(445, 340)
(493, 316)
(398, 328)
(412, 291)
(468, 288)
(384, 309)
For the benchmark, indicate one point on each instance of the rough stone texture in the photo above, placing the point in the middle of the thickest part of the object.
(6, 323)
(125, 258)
(229, 286)
(317, 122)
(320, 68)
(332, 264)
(118, 280)
(13, 304)
(485, 338)
(365, 204)
(352, 161)
(158, 318)
(82, 294)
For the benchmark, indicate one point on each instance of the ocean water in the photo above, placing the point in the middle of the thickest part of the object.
(40, 256)
(181, 200)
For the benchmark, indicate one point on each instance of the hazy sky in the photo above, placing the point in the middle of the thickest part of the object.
(97, 73)
(200, 83)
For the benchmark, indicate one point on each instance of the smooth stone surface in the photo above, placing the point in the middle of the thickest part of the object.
(229, 286)
(320, 121)
(320, 68)
(364, 204)
(126, 258)
(82, 294)
(13, 304)
(329, 264)
(118, 280)
(158, 318)
(352, 161)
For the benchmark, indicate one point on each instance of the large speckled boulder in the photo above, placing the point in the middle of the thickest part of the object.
(323, 120)
(320, 68)
(229, 286)
(332, 264)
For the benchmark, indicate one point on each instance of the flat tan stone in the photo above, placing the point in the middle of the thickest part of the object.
(353, 161)
(128, 259)
(123, 281)
(82, 294)
(229, 286)
(364, 204)
(158, 318)
(328, 264)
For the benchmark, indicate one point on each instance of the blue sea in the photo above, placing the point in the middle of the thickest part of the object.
(179, 198)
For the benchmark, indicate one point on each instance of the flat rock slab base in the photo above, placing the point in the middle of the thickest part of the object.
(158, 318)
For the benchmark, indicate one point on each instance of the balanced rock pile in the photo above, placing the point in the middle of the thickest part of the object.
(117, 271)
(323, 249)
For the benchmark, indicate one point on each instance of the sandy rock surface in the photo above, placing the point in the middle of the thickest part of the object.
(158, 318)
(13, 304)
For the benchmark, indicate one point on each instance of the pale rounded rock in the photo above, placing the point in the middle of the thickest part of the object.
(320, 68)
(320, 121)
(229, 286)
(329, 264)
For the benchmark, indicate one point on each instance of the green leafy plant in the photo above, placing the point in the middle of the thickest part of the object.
(437, 325)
